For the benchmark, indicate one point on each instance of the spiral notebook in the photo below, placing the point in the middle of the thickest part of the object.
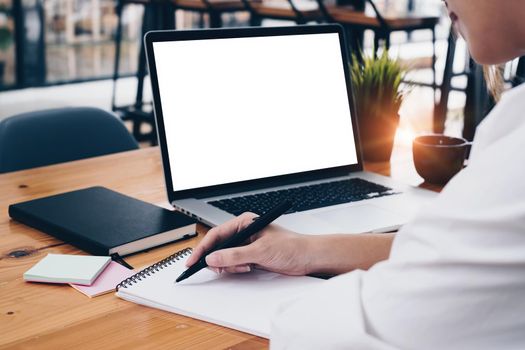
(245, 302)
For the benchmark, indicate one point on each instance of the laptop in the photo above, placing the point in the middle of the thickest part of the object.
(248, 117)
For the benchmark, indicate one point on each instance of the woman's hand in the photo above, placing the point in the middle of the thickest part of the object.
(279, 250)
(274, 249)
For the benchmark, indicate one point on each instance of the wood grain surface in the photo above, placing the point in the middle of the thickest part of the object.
(46, 316)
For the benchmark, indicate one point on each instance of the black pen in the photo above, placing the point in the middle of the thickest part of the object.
(257, 225)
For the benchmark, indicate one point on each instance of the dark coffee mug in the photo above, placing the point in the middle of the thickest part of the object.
(438, 157)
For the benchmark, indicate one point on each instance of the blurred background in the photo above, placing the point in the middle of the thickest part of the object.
(57, 53)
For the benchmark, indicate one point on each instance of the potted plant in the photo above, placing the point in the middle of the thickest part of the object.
(378, 92)
(5, 39)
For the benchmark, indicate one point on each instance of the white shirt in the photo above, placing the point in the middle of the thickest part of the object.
(455, 278)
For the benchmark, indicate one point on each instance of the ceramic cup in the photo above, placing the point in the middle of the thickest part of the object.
(438, 157)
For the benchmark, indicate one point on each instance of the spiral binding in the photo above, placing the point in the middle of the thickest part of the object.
(150, 270)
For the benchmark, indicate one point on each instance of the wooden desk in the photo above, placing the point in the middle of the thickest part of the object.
(34, 315)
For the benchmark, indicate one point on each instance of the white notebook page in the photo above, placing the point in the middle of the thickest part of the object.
(245, 302)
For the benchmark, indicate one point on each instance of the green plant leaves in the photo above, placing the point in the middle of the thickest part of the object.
(377, 85)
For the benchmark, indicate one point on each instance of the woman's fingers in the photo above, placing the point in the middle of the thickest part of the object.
(218, 234)
(238, 269)
(232, 257)
(232, 269)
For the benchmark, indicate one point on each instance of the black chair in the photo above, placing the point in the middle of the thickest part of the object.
(382, 22)
(286, 10)
(53, 136)
(213, 8)
(158, 14)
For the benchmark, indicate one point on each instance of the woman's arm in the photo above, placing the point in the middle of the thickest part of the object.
(336, 254)
(283, 251)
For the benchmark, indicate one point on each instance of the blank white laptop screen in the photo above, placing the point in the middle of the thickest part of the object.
(248, 108)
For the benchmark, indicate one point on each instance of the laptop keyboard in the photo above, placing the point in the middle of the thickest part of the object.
(305, 197)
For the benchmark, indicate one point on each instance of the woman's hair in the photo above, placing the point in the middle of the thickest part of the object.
(494, 79)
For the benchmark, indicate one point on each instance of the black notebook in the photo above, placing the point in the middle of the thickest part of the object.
(103, 222)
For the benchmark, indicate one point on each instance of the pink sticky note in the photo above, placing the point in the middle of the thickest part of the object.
(106, 281)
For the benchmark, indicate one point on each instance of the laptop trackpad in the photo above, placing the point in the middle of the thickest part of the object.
(361, 218)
